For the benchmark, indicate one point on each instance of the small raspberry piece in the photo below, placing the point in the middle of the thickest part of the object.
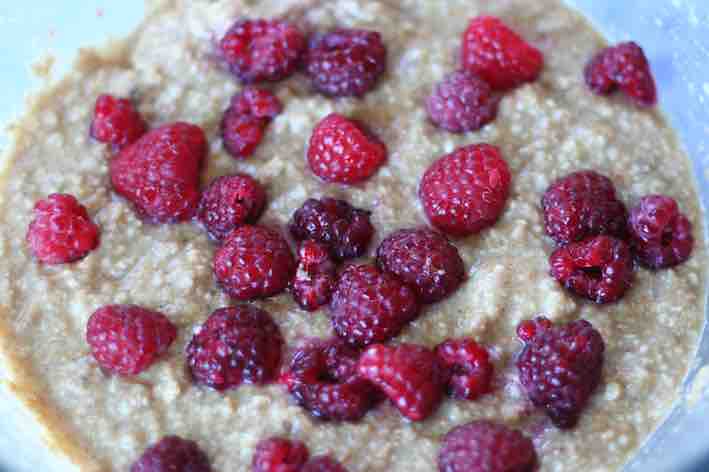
(499, 55)
(465, 192)
(279, 455)
(61, 230)
(244, 122)
(117, 122)
(346, 62)
(160, 173)
(127, 339)
(423, 259)
(369, 306)
(599, 268)
(345, 230)
(483, 446)
(236, 344)
(470, 368)
(254, 262)
(315, 277)
(172, 454)
(660, 235)
(260, 103)
(262, 50)
(323, 464)
(462, 102)
(229, 202)
(583, 204)
(343, 151)
(411, 376)
(560, 366)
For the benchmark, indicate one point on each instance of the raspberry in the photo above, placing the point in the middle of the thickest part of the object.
(423, 259)
(116, 122)
(599, 268)
(470, 368)
(345, 230)
(323, 464)
(345, 62)
(660, 235)
(257, 102)
(499, 55)
(623, 67)
(465, 192)
(560, 366)
(369, 306)
(462, 102)
(127, 339)
(580, 205)
(411, 377)
(343, 151)
(315, 277)
(262, 50)
(160, 172)
(279, 455)
(254, 262)
(484, 446)
(61, 230)
(236, 344)
(229, 202)
(172, 454)
(245, 121)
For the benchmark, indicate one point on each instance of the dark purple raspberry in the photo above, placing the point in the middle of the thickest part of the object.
(470, 368)
(462, 102)
(172, 454)
(315, 277)
(323, 464)
(279, 455)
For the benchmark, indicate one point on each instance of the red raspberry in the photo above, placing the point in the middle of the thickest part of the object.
(245, 121)
(279, 455)
(345, 230)
(127, 339)
(323, 464)
(483, 446)
(462, 102)
(160, 172)
(254, 262)
(346, 62)
(236, 344)
(411, 377)
(423, 259)
(465, 192)
(262, 50)
(499, 55)
(660, 235)
(172, 454)
(560, 366)
(315, 277)
(583, 204)
(470, 367)
(343, 151)
(117, 122)
(229, 202)
(599, 268)
(61, 230)
(369, 306)
(623, 67)
(260, 103)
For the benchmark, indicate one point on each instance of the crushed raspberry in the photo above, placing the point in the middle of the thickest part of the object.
(465, 192)
(262, 50)
(172, 454)
(235, 345)
(660, 235)
(583, 204)
(345, 230)
(254, 262)
(160, 173)
(279, 455)
(244, 122)
(369, 306)
(499, 55)
(599, 268)
(345, 62)
(470, 368)
(423, 259)
(623, 67)
(229, 202)
(127, 339)
(323, 464)
(560, 366)
(410, 376)
(61, 230)
(343, 151)
(117, 122)
(484, 446)
(315, 276)
(462, 102)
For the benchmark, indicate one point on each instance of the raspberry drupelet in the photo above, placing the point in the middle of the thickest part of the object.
(117, 122)
(244, 122)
